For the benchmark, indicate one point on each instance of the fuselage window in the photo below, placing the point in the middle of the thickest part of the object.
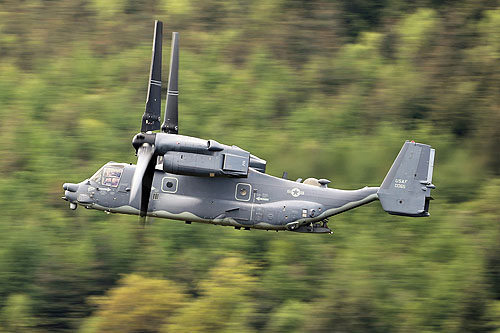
(111, 176)
(243, 192)
(169, 184)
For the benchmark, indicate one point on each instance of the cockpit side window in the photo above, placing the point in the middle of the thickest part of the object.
(111, 175)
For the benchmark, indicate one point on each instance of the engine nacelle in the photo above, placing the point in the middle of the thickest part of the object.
(257, 163)
(217, 164)
(186, 155)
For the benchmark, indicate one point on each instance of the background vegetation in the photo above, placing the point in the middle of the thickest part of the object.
(329, 89)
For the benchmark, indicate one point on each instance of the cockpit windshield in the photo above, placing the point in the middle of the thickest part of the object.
(96, 178)
(108, 175)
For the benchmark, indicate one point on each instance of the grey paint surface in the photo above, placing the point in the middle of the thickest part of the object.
(258, 200)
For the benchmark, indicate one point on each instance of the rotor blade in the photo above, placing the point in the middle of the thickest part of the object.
(152, 116)
(144, 157)
(171, 121)
(142, 221)
(147, 182)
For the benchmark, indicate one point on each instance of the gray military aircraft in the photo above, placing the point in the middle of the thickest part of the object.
(195, 180)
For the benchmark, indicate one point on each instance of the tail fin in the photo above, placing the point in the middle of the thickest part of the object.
(406, 190)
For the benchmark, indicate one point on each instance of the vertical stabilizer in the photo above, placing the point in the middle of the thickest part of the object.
(406, 190)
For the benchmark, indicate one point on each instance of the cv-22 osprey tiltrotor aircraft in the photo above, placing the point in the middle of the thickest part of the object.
(195, 180)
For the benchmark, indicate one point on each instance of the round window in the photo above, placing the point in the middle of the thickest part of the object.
(169, 185)
(243, 192)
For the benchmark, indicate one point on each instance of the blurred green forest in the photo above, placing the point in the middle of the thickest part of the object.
(326, 89)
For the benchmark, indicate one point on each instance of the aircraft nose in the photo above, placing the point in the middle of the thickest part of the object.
(70, 187)
(70, 196)
(70, 192)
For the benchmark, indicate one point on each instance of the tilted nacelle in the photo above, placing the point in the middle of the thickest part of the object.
(186, 155)
(223, 163)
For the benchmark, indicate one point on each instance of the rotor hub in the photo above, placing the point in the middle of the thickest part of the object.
(142, 138)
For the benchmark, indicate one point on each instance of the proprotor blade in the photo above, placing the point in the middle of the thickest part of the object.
(144, 159)
(171, 121)
(147, 182)
(152, 116)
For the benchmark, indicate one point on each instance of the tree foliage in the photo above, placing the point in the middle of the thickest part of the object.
(329, 89)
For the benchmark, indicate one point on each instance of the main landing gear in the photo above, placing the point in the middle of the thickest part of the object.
(320, 227)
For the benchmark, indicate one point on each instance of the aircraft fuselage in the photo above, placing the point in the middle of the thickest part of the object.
(258, 201)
